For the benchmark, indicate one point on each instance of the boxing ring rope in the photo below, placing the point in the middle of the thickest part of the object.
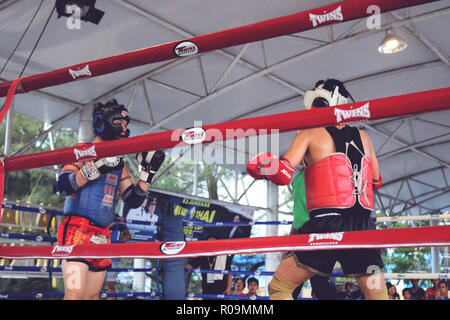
(333, 274)
(152, 294)
(53, 212)
(414, 103)
(56, 213)
(407, 104)
(41, 295)
(41, 210)
(232, 272)
(437, 236)
(302, 21)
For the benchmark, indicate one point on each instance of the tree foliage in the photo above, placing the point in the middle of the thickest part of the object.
(180, 178)
(33, 186)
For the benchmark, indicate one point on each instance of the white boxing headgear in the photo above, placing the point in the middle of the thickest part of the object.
(330, 92)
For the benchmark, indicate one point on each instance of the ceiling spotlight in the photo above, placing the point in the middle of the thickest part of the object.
(88, 12)
(391, 43)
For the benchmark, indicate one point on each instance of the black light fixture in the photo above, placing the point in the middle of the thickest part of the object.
(88, 11)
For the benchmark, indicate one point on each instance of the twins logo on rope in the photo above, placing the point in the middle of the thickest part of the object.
(362, 112)
(81, 73)
(185, 48)
(85, 154)
(193, 135)
(321, 239)
(172, 247)
(335, 15)
(62, 251)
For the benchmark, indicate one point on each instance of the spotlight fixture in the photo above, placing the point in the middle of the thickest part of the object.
(391, 43)
(88, 11)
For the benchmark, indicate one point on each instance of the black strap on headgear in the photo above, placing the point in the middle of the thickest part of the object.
(331, 84)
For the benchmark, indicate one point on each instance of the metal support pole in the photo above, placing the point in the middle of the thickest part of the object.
(236, 180)
(85, 133)
(195, 179)
(139, 277)
(435, 263)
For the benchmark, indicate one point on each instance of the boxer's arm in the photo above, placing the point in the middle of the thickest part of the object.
(126, 182)
(133, 195)
(298, 148)
(70, 179)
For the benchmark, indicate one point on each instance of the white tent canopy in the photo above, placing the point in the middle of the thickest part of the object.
(260, 78)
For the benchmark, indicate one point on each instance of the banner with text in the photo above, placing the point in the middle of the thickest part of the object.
(194, 210)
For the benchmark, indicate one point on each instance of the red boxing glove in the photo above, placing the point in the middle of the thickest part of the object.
(377, 184)
(284, 174)
(267, 165)
(254, 166)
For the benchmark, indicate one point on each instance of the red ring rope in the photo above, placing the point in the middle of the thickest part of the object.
(437, 236)
(414, 103)
(298, 22)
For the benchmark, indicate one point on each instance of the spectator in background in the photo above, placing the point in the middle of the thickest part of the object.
(213, 283)
(442, 293)
(349, 294)
(407, 294)
(392, 291)
(417, 292)
(253, 286)
(430, 293)
(239, 286)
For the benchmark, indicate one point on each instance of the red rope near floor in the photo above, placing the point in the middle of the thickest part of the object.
(437, 236)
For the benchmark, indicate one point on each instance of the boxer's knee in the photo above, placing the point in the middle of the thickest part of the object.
(376, 295)
(281, 288)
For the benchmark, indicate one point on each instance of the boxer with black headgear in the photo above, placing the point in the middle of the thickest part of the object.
(341, 172)
(92, 189)
(104, 120)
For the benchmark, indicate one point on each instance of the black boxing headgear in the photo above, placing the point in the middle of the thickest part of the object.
(103, 118)
(327, 93)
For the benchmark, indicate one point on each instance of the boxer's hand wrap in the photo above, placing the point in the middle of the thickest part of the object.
(94, 169)
(267, 166)
(377, 184)
(150, 162)
(284, 174)
(134, 196)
